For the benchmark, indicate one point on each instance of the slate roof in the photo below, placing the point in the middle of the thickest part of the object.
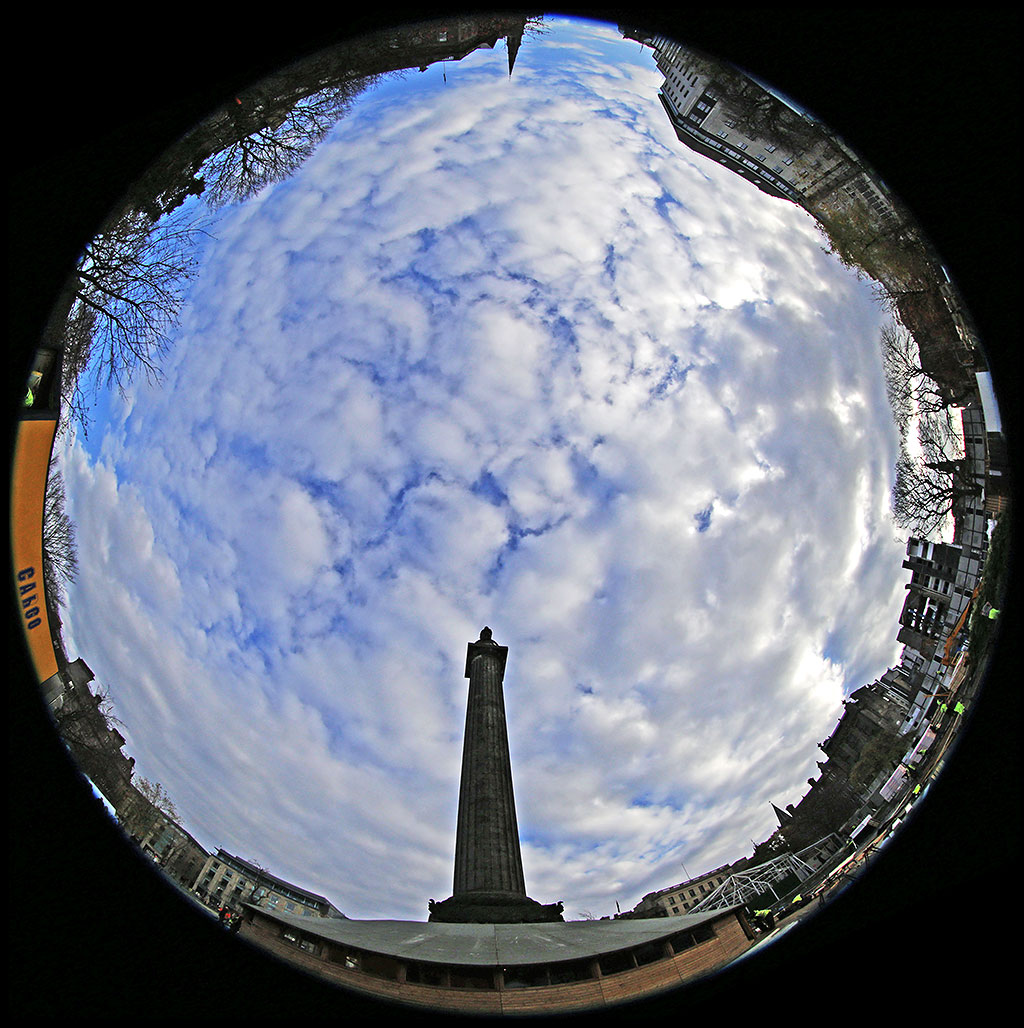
(270, 879)
(493, 944)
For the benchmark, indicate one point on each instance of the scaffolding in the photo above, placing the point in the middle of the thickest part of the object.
(743, 886)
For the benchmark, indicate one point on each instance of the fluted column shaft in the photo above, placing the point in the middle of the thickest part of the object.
(487, 852)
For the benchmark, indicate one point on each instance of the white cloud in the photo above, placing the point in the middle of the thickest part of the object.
(495, 357)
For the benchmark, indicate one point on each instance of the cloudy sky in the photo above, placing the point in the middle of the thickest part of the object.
(503, 352)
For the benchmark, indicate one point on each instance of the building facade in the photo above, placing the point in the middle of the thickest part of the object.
(682, 897)
(225, 880)
(733, 120)
(162, 839)
(88, 732)
(934, 570)
(944, 577)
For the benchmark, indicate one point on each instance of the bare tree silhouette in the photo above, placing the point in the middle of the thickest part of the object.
(930, 485)
(911, 390)
(60, 556)
(127, 289)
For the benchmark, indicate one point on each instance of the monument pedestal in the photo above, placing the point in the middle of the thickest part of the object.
(494, 908)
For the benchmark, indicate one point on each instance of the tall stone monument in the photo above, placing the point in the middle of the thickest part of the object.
(489, 886)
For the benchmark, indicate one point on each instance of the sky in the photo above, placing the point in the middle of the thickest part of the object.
(503, 352)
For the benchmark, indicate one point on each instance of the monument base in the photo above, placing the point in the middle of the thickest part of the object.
(493, 908)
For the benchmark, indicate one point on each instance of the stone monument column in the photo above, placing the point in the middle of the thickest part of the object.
(488, 886)
(487, 853)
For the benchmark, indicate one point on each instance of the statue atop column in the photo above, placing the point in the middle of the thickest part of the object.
(489, 887)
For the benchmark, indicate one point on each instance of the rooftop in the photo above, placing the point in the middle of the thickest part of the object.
(266, 876)
(494, 944)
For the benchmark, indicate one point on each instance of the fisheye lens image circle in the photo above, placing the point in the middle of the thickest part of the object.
(510, 514)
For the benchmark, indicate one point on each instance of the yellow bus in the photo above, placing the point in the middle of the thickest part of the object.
(33, 444)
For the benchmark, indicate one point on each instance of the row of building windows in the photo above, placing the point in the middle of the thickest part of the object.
(242, 889)
(682, 81)
(737, 157)
(671, 60)
(686, 898)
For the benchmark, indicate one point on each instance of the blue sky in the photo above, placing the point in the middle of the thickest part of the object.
(502, 352)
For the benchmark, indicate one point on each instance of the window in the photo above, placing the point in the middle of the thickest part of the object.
(612, 963)
(300, 941)
(347, 958)
(574, 971)
(472, 978)
(380, 966)
(426, 974)
(649, 952)
(526, 977)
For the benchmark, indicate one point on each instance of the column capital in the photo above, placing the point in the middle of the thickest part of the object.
(486, 646)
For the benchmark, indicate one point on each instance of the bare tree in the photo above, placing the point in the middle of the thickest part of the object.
(261, 875)
(912, 391)
(157, 795)
(86, 723)
(124, 298)
(273, 138)
(930, 486)
(933, 473)
(76, 347)
(126, 294)
(60, 555)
